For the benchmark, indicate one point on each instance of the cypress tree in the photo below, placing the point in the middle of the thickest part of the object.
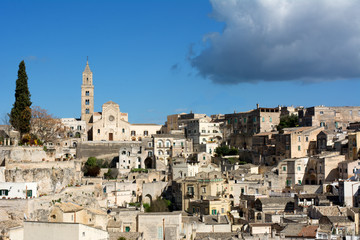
(21, 112)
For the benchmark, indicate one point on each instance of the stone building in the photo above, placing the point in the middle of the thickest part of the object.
(72, 213)
(347, 169)
(202, 185)
(240, 127)
(329, 117)
(160, 225)
(292, 171)
(132, 155)
(111, 124)
(171, 145)
(203, 132)
(353, 145)
(180, 121)
(209, 206)
(296, 142)
(60, 231)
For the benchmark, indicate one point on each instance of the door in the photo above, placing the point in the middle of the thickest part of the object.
(111, 137)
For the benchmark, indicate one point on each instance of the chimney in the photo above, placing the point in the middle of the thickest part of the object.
(257, 106)
(218, 217)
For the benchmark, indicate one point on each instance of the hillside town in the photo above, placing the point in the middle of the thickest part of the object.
(279, 172)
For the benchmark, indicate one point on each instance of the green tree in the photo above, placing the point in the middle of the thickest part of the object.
(159, 205)
(288, 122)
(226, 151)
(20, 115)
(91, 167)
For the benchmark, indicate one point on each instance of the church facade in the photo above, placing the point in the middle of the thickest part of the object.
(110, 124)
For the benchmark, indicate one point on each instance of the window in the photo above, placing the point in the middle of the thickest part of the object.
(4, 192)
(263, 119)
(203, 189)
(87, 93)
(288, 182)
(79, 127)
(299, 148)
(222, 210)
(160, 143)
(150, 144)
(322, 124)
(299, 168)
(203, 131)
(321, 112)
(284, 168)
(336, 124)
(98, 131)
(168, 143)
(87, 102)
(299, 182)
(242, 190)
(133, 133)
(123, 130)
(228, 121)
(127, 229)
(146, 133)
(287, 147)
(254, 119)
(87, 111)
(150, 154)
(213, 212)
(190, 190)
(270, 119)
(299, 139)
(307, 138)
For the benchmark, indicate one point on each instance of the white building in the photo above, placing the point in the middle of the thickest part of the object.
(183, 169)
(60, 231)
(132, 155)
(12, 190)
(203, 131)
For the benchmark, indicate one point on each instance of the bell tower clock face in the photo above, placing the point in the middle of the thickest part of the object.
(111, 118)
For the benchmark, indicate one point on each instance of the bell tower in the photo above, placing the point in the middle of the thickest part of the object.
(87, 96)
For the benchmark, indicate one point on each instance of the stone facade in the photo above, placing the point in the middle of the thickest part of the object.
(329, 117)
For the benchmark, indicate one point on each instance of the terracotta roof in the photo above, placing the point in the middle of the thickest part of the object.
(308, 231)
(69, 207)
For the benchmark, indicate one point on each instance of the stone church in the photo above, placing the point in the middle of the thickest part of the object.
(110, 124)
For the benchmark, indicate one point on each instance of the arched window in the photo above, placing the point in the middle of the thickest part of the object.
(160, 143)
(123, 130)
(168, 143)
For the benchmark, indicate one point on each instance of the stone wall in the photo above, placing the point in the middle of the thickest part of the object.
(21, 154)
(50, 179)
(102, 150)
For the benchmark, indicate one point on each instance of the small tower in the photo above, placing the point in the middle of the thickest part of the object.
(87, 96)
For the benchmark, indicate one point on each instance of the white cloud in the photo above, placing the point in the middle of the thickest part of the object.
(279, 40)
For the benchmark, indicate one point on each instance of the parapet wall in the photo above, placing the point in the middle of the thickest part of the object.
(24, 153)
(103, 150)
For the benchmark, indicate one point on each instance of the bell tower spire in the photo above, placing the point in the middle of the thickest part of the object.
(87, 95)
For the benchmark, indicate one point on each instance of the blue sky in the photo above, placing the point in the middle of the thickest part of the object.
(151, 58)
